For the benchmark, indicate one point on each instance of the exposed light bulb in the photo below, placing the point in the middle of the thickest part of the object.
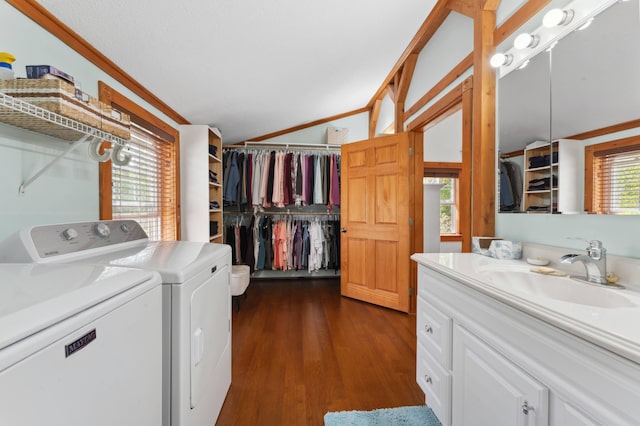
(556, 17)
(525, 40)
(500, 59)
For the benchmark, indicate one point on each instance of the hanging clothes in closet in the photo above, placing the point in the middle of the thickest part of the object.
(260, 178)
(510, 186)
(285, 244)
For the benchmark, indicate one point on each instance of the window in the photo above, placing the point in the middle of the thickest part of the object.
(612, 178)
(449, 218)
(147, 188)
(141, 191)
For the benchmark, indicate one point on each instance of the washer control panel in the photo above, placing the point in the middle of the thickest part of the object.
(68, 238)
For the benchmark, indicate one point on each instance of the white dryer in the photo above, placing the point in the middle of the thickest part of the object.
(196, 302)
(79, 344)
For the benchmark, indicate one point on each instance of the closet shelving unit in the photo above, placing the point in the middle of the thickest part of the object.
(197, 188)
(562, 170)
(215, 188)
(234, 215)
(18, 113)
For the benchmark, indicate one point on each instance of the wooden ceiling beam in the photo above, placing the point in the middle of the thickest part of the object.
(437, 16)
(391, 91)
(406, 77)
(373, 117)
(519, 18)
(306, 125)
(463, 7)
(402, 83)
(451, 76)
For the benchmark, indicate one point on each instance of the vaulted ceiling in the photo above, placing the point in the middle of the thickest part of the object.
(250, 67)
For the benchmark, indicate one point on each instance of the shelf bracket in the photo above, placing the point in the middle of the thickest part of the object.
(35, 177)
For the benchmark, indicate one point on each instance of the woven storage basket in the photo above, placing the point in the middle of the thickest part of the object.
(58, 96)
(115, 122)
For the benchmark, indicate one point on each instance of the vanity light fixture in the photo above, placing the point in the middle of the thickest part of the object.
(557, 17)
(556, 24)
(526, 40)
(586, 24)
(500, 59)
(524, 64)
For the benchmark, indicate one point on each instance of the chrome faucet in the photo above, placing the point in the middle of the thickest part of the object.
(595, 262)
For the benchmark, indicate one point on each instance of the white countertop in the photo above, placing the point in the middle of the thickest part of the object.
(609, 318)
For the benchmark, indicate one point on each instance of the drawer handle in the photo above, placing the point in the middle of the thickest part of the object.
(526, 408)
(428, 329)
(427, 379)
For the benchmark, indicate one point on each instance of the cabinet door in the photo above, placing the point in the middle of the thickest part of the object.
(566, 414)
(488, 389)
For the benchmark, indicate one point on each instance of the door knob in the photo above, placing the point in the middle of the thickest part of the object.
(343, 230)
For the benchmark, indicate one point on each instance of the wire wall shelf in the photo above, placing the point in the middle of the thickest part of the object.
(19, 113)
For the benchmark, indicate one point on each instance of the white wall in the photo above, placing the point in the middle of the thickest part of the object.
(506, 9)
(443, 142)
(69, 190)
(451, 43)
(387, 115)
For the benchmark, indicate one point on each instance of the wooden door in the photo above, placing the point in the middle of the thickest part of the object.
(375, 208)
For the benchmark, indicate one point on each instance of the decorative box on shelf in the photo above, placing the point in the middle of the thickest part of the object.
(58, 96)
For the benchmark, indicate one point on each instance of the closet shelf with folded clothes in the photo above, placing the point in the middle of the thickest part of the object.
(551, 180)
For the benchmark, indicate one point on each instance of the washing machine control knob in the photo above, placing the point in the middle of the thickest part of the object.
(102, 230)
(69, 234)
(125, 228)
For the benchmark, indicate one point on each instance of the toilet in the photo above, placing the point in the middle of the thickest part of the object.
(239, 281)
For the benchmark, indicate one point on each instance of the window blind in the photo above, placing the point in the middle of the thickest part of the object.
(617, 182)
(144, 189)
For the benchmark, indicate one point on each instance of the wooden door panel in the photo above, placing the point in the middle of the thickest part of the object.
(355, 205)
(356, 254)
(357, 159)
(387, 154)
(387, 266)
(375, 214)
(386, 199)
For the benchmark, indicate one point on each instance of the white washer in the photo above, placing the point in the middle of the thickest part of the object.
(80, 344)
(196, 303)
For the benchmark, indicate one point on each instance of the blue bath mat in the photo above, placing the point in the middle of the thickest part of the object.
(402, 416)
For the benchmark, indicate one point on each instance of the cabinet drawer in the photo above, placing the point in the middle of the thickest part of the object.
(433, 329)
(435, 382)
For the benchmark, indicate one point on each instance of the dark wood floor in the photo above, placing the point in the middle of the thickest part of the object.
(300, 350)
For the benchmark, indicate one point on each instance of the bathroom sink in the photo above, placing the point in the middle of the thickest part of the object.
(519, 280)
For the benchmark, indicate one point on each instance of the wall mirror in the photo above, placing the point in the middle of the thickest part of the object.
(587, 85)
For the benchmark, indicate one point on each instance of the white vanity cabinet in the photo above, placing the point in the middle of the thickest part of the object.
(491, 390)
(481, 361)
(433, 368)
